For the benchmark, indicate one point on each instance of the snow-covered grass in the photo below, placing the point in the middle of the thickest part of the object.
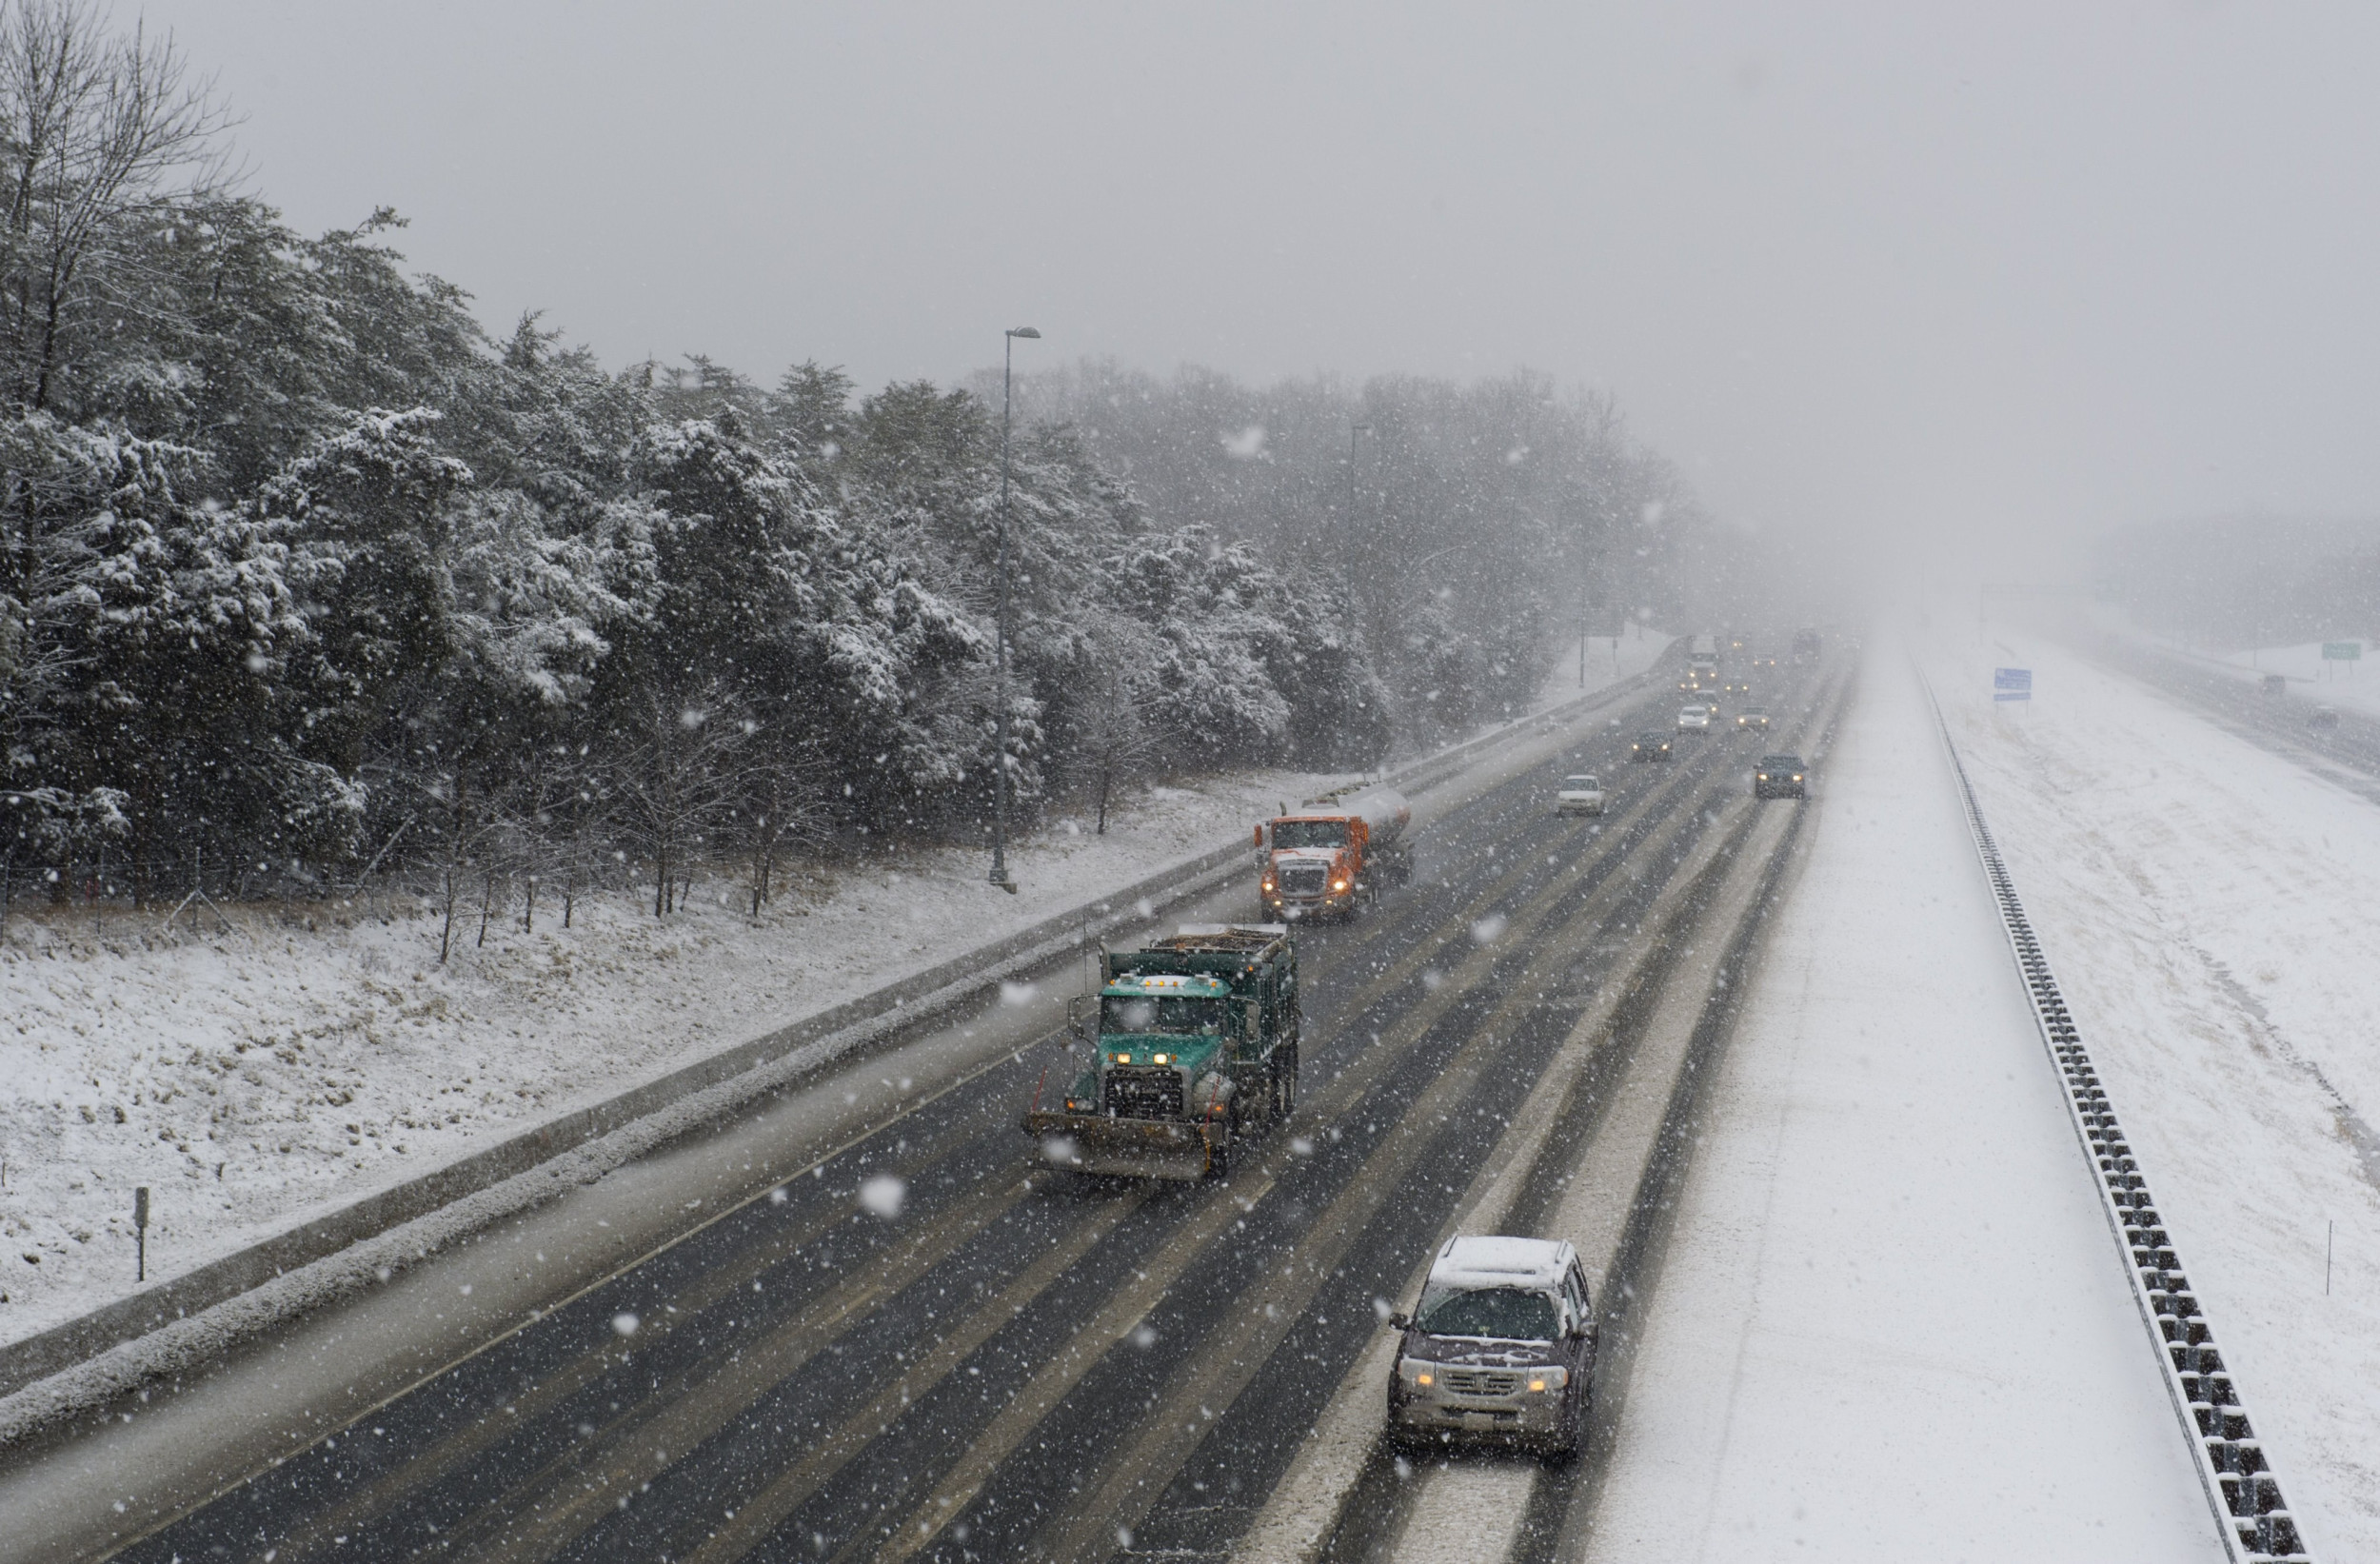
(2212, 912)
(257, 1077)
(1892, 1324)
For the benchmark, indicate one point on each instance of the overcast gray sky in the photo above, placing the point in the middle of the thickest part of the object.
(2012, 271)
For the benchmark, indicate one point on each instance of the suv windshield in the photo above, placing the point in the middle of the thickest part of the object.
(1780, 762)
(1505, 1312)
(1183, 1017)
(1578, 785)
(1310, 833)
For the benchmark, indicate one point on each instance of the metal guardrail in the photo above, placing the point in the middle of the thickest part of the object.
(2240, 1485)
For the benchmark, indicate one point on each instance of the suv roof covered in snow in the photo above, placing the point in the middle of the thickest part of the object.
(1534, 1263)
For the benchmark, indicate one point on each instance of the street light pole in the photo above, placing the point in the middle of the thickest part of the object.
(1000, 743)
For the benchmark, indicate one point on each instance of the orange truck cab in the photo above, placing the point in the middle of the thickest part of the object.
(1333, 853)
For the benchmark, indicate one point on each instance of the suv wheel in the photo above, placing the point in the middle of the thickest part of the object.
(1568, 1433)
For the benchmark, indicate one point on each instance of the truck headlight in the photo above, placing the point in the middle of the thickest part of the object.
(1553, 1379)
(1416, 1373)
(1339, 884)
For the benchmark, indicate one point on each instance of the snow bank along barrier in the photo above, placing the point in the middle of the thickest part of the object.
(98, 1356)
(2239, 1481)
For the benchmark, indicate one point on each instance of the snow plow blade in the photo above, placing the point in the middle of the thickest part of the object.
(1127, 1148)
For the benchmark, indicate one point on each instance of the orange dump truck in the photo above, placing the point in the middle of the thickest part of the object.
(1334, 853)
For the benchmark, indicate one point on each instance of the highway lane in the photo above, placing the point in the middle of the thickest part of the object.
(1000, 1366)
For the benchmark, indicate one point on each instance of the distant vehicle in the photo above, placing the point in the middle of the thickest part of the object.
(2275, 683)
(1735, 643)
(1752, 717)
(1195, 1042)
(1334, 853)
(1703, 645)
(1779, 777)
(1740, 685)
(1693, 720)
(1805, 645)
(2323, 717)
(1764, 662)
(1501, 1347)
(1580, 794)
(1650, 747)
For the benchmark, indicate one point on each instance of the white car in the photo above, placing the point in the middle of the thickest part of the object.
(1501, 1347)
(1580, 796)
(1694, 720)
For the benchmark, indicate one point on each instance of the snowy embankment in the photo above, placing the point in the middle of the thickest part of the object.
(1891, 1323)
(257, 1078)
(2212, 911)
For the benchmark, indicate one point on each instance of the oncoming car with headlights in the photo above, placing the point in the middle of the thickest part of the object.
(1780, 777)
(1501, 1347)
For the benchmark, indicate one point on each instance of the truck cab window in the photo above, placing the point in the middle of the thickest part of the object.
(1175, 1017)
(1310, 833)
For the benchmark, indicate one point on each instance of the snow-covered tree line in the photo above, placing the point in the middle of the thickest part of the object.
(303, 575)
(1472, 525)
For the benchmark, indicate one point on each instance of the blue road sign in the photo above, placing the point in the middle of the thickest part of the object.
(2012, 683)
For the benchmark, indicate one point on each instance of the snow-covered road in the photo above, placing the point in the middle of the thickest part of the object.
(2213, 913)
(1892, 1323)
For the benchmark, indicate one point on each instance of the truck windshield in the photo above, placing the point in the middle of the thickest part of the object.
(1505, 1312)
(1310, 833)
(1181, 1017)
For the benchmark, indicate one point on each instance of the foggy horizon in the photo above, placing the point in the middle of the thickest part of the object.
(1866, 276)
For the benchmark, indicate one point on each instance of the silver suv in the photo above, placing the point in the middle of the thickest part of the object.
(1501, 1347)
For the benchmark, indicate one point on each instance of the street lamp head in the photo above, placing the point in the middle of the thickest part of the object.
(1025, 331)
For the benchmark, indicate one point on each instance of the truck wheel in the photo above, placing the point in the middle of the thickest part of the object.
(1219, 1157)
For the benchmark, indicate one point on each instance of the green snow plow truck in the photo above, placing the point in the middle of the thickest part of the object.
(1193, 1046)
